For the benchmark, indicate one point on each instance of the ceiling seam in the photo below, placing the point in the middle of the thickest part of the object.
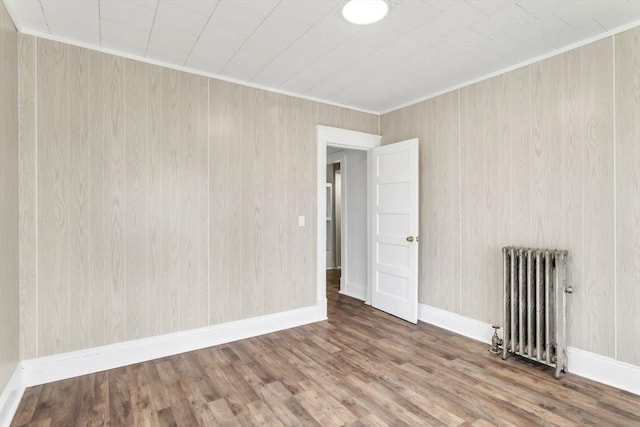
(100, 21)
(249, 36)
(153, 23)
(44, 15)
(204, 27)
(291, 44)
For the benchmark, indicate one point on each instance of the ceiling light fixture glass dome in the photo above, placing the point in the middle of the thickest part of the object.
(364, 12)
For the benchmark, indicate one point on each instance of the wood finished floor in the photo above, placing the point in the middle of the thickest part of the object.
(360, 368)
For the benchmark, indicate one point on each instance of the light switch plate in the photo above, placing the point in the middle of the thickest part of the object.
(301, 221)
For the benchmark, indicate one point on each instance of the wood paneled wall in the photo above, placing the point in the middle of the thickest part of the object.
(330, 115)
(627, 196)
(9, 291)
(547, 155)
(155, 201)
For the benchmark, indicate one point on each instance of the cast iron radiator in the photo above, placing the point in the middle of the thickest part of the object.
(535, 308)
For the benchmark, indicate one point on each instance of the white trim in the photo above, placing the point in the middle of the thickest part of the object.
(518, 65)
(337, 137)
(370, 260)
(187, 69)
(348, 138)
(466, 326)
(10, 397)
(321, 238)
(583, 363)
(68, 365)
(604, 370)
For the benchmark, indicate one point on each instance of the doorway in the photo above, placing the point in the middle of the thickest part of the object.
(346, 140)
(346, 218)
(391, 220)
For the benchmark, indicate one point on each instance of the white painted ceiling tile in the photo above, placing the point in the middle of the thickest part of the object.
(492, 7)
(200, 7)
(137, 14)
(219, 39)
(306, 47)
(459, 16)
(172, 39)
(29, 11)
(308, 12)
(73, 30)
(82, 11)
(405, 16)
(36, 27)
(209, 58)
(172, 15)
(161, 52)
(240, 16)
(116, 35)
(276, 26)
(616, 16)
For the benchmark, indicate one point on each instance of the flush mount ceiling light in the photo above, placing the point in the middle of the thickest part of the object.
(364, 12)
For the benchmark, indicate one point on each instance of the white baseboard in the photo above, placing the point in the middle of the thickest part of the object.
(10, 397)
(604, 370)
(354, 290)
(470, 328)
(583, 363)
(67, 365)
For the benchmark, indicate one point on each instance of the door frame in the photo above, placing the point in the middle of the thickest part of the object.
(348, 139)
(341, 158)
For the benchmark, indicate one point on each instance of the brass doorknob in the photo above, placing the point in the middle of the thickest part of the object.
(410, 239)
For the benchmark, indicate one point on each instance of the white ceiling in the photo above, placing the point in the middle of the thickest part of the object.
(305, 47)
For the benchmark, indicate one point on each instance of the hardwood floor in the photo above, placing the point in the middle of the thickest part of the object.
(359, 368)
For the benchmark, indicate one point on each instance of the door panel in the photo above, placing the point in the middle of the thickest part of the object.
(394, 240)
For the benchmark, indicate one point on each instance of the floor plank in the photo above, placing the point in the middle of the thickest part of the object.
(359, 368)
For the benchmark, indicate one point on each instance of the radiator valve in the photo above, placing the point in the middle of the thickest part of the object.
(496, 341)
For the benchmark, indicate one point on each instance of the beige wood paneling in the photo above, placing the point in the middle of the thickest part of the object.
(98, 210)
(28, 194)
(520, 127)
(191, 254)
(79, 218)
(545, 157)
(260, 180)
(401, 124)
(166, 201)
(136, 221)
(330, 115)
(597, 315)
(122, 172)
(114, 197)
(572, 177)
(9, 211)
(53, 197)
(484, 143)
(222, 119)
(158, 267)
(276, 202)
(627, 155)
(440, 203)
(303, 140)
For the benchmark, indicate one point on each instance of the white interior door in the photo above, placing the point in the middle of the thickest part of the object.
(394, 221)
